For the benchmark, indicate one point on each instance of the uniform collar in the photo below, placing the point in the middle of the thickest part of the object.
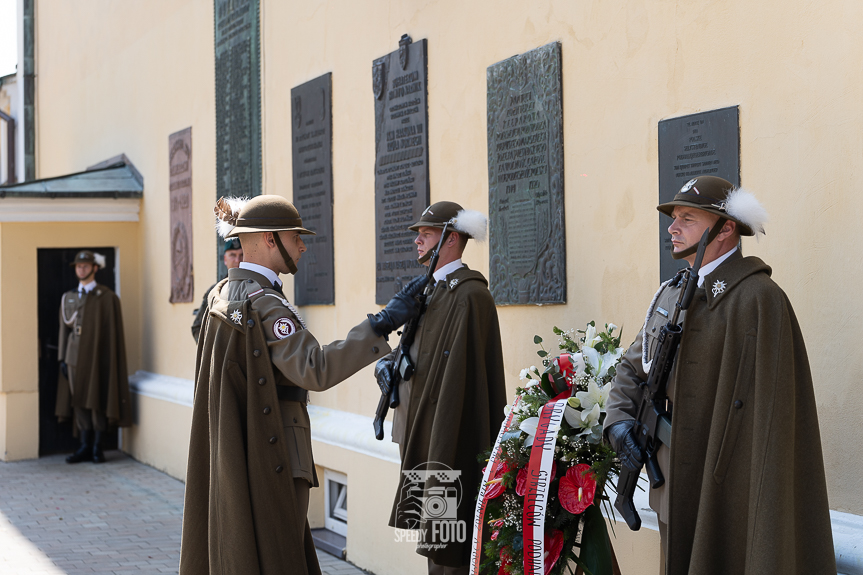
(263, 270)
(87, 287)
(447, 269)
(708, 268)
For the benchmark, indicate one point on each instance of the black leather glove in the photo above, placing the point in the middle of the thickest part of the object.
(384, 371)
(65, 369)
(622, 439)
(401, 309)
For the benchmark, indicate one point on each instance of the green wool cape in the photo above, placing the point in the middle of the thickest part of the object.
(457, 399)
(240, 497)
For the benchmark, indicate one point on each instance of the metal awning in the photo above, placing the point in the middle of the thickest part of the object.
(114, 178)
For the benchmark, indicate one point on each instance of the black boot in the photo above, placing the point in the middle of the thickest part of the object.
(85, 451)
(98, 456)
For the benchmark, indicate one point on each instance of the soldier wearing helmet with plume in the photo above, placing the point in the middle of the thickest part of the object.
(451, 407)
(250, 456)
(744, 489)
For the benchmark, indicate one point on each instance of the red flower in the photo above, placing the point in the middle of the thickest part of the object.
(577, 489)
(553, 547)
(521, 479)
(505, 561)
(495, 483)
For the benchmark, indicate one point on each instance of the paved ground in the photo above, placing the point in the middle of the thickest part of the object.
(121, 517)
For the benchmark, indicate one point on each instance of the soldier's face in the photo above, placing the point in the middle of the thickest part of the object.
(688, 226)
(233, 258)
(294, 244)
(85, 271)
(426, 241)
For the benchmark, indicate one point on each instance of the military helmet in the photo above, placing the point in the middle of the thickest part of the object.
(260, 214)
(88, 257)
(469, 223)
(233, 244)
(719, 196)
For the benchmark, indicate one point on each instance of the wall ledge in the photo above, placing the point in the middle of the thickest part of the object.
(34, 210)
(354, 432)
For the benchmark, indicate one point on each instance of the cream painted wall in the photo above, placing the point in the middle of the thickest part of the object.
(19, 346)
(792, 68)
(159, 435)
(139, 71)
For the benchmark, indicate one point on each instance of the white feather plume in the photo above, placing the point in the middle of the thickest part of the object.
(99, 260)
(472, 223)
(744, 206)
(223, 227)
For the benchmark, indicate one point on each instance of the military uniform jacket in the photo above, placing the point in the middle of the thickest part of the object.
(247, 446)
(457, 397)
(92, 344)
(746, 491)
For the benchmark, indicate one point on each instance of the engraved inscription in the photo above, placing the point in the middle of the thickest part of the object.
(708, 144)
(238, 102)
(312, 137)
(401, 166)
(180, 195)
(525, 171)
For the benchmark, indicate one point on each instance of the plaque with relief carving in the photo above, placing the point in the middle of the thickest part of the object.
(180, 195)
(527, 239)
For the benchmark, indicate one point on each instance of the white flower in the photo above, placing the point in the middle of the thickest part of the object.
(601, 363)
(523, 374)
(506, 410)
(529, 427)
(611, 327)
(590, 337)
(594, 395)
(587, 421)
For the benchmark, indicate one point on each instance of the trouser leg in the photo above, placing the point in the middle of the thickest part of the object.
(435, 569)
(83, 418)
(663, 540)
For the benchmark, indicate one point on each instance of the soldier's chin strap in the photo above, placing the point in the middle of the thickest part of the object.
(443, 236)
(717, 227)
(289, 261)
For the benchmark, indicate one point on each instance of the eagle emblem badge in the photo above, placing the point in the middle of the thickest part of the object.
(688, 186)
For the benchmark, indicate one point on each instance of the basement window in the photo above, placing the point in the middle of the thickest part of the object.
(336, 502)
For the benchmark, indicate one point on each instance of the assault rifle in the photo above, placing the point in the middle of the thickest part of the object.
(653, 421)
(404, 367)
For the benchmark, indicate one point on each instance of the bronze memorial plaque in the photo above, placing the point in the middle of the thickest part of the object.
(180, 194)
(527, 242)
(401, 162)
(312, 139)
(703, 144)
(238, 103)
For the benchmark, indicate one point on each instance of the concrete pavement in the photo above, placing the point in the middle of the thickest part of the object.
(120, 517)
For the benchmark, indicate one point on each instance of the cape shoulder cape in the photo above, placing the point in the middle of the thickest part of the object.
(101, 375)
(239, 489)
(457, 399)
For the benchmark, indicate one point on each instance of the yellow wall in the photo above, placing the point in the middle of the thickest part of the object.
(793, 68)
(19, 346)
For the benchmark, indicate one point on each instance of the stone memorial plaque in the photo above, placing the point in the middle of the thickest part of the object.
(312, 137)
(401, 162)
(703, 144)
(238, 103)
(180, 194)
(527, 243)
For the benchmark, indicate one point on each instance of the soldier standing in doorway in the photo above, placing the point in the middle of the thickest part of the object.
(93, 386)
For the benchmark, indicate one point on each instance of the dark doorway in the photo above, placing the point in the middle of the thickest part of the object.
(56, 276)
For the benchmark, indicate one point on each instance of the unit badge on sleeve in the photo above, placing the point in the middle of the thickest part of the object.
(284, 327)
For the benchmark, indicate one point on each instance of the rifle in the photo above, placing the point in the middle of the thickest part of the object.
(404, 367)
(653, 421)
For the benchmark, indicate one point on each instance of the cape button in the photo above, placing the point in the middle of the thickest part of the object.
(273, 439)
(267, 411)
(279, 469)
(446, 353)
(250, 323)
(375, 349)
(262, 381)
(257, 353)
(248, 281)
(738, 404)
(295, 420)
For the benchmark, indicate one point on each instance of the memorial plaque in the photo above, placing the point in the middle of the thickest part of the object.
(238, 103)
(527, 243)
(703, 144)
(180, 194)
(312, 137)
(401, 162)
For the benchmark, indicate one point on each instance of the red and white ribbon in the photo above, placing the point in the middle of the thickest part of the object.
(538, 481)
(479, 513)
